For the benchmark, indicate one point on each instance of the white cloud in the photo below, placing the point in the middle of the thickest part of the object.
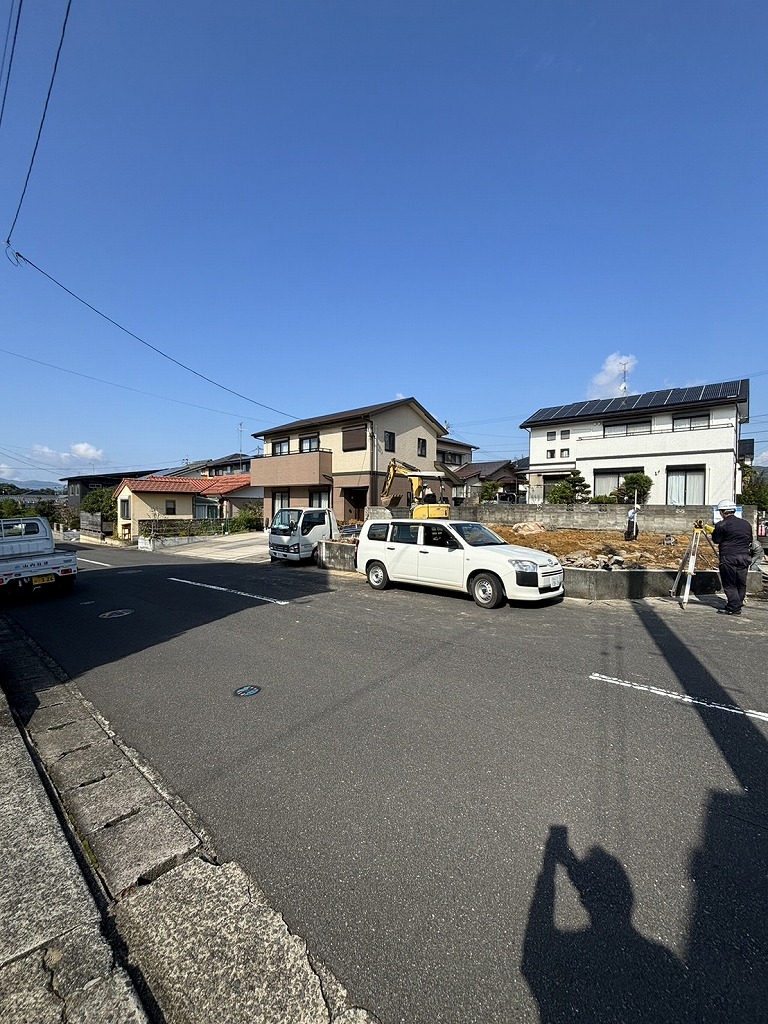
(83, 450)
(7, 473)
(79, 452)
(761, 459)
(606, 383)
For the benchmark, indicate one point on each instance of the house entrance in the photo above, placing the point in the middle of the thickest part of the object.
(354, 500)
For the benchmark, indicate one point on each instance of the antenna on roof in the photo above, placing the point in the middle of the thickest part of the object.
(623, 387)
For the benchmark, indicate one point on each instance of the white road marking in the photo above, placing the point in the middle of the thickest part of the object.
(226, 590)
(90, 561)
(682, 697)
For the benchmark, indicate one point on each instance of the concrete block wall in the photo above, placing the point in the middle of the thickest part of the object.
(651, 518)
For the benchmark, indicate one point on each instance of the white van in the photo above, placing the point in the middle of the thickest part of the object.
(456, 555)
(295, 533)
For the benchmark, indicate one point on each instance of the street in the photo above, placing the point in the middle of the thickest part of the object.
(532, 814)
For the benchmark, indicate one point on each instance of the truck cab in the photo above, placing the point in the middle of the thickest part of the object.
(296, 532)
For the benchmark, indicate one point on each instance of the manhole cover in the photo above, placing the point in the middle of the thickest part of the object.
(247, 691)
(118, 613)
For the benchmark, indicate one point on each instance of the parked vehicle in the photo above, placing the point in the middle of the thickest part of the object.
(295, 533)
(29, 559)
(456, 555)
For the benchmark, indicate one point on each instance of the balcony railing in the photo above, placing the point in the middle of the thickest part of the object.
(292, 469)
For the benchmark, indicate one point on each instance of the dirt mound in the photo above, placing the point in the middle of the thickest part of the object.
(649, 551)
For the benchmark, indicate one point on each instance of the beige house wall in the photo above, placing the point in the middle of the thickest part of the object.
(149, 506)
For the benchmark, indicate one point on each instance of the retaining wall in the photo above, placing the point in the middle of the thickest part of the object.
(589, 584)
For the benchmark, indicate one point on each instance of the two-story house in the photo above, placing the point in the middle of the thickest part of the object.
(340, 461)
(685, 439)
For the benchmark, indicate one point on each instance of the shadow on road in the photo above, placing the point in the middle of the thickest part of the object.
(608, 971)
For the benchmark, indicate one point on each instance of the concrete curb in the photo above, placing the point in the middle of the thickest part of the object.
(194, 938)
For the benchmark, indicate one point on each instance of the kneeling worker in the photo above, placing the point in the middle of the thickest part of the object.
(733, 537)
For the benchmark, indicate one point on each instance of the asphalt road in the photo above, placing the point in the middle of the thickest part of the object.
(532, 814)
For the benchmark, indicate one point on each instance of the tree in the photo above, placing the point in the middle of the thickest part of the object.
(754, 488)
(101, 500)
(11, 509)
(488, 490)
(571, 491)
(634, 483)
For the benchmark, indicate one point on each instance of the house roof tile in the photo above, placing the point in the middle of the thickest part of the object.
(187, 485)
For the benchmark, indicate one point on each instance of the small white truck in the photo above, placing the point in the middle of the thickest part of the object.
(29, 559)
(295, 533)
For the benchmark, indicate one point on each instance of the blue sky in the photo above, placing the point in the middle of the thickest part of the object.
(321, 204)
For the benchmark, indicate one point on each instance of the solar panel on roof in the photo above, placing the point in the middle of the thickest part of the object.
(650, 398)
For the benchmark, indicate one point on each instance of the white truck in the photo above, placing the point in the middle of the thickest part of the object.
(295, 533)
(29, 559)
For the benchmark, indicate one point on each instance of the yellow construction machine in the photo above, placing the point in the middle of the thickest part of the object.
(425, 503)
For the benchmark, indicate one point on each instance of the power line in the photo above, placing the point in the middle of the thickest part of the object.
(112, 384)
(23, 259)
(5, 51)
(42, 120)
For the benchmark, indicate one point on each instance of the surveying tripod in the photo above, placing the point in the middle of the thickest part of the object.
(688, 563)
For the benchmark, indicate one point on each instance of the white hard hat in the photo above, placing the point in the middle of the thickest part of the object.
(727, 506)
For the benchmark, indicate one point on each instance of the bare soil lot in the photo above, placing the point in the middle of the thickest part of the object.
(649, 551)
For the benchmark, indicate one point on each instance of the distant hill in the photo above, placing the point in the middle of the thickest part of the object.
(35, 485)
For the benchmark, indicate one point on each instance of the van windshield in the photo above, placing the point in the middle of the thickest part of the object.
(285, 520)
(477, 535)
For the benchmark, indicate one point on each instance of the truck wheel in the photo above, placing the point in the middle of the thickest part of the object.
(486, 590)
(377, 576)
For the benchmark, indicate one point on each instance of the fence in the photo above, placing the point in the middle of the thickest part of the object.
(183, 527)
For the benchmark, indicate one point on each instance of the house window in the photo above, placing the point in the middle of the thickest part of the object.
(353, 439)
(564, 435)
(421, 446)
(320, 498)
(685, 486)
(280, 447)
(280, 499)
(389, 440)
(550, 453)
(170, 506)
(551, 435)
(309, 444)
(125, 508)
(626, 429)
(565, 453)
(700, 422)
(449, 458)
(606, 481)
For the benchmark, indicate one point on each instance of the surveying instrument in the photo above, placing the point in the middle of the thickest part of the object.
(688, 564)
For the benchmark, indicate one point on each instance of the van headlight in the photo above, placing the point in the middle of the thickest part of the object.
(523, 565)
(294, 549)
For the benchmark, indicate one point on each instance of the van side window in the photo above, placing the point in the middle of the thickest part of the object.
(378, 531)
(310, 520)
(435, 536)
(405, 533)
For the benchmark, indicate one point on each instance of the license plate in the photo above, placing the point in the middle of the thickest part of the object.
(49, 577)
(555, 582)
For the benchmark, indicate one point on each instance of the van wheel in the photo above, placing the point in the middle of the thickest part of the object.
(377, 576)
(486, 590)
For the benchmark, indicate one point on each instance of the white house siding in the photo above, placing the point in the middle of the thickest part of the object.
(663, 449)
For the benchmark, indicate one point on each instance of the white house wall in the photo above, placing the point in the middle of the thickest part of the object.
(654, 453)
